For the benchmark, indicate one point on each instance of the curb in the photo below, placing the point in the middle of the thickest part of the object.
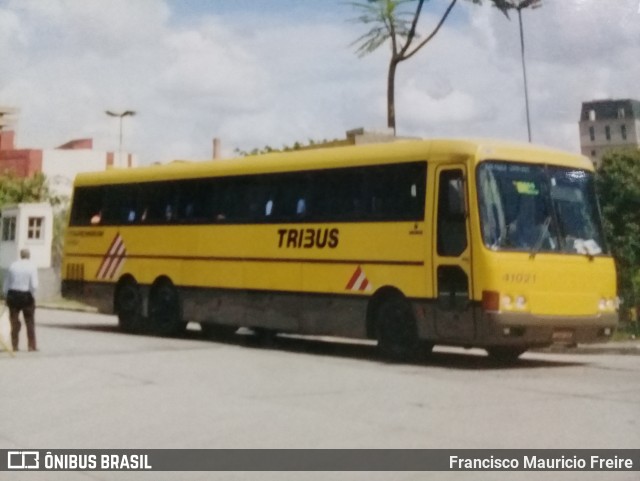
(66, 307)
(630, 348)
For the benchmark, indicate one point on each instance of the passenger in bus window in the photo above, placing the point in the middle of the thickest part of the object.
(301, 207)
(96, 218)
(188, 211)
(168, 213)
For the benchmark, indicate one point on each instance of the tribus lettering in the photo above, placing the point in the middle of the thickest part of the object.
(308, 238)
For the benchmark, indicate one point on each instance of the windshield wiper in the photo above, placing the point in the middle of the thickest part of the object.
(543, 232)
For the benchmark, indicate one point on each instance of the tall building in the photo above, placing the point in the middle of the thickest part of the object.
(609, 124)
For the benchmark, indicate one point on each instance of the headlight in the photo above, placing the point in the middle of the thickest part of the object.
(507, 302)
(608, 304)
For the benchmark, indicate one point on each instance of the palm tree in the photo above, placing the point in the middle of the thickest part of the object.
(393, 20)
(390, 20)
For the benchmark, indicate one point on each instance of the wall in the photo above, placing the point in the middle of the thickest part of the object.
(61, 166)
(22, 163)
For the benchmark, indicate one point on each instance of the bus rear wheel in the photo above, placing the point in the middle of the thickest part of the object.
(164, 309)
(128, 306)
(505, 354)
(396, 330)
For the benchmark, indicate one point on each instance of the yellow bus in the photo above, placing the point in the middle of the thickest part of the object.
(413, 243)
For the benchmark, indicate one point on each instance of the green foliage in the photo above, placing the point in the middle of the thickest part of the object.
(618, 183)
(60, 220)
(267, 149)
(397, 20)
(14, 190)
(386, 18)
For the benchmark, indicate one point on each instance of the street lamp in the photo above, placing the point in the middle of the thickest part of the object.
(126, 113)
(519, 5)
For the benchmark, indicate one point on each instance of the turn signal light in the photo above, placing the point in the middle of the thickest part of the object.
(491, 301)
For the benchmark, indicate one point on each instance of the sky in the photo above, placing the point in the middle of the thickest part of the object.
(273, 72)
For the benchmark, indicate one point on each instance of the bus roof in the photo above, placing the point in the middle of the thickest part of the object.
(370, 154)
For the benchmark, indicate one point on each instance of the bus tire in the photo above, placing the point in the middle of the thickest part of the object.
(396, 330)
(505, 354)
(128, 306)
(165, 312)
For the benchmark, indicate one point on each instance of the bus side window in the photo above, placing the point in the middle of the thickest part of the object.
(452, 232)
(120, 203)
(87, 206)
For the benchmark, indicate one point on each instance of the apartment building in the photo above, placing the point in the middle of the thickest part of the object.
(609, 124)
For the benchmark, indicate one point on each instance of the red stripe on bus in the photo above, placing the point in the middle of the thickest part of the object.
(354, 278)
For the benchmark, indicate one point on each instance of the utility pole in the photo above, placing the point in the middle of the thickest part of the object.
(524, 74)
(519, 5)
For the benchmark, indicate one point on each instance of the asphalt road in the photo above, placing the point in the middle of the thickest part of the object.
(91, 386)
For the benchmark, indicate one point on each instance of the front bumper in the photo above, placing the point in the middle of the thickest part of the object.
(506, 329)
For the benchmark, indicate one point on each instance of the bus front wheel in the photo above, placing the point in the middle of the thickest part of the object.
(164, 309)
(128, 306)
(396, 330)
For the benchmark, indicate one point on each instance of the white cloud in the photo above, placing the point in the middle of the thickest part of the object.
(255, 78)
(105, 28)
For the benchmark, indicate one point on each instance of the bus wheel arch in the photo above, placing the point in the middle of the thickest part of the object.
(390, 320)
(127, 304)
(165, 307)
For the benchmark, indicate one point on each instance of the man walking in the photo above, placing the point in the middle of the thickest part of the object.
(19, 289)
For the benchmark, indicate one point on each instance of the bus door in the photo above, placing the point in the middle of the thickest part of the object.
(452, 256)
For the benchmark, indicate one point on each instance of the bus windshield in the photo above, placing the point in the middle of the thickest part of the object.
(539, 208)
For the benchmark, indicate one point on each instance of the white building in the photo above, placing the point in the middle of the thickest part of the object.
(26, 226)
(29, 226)
(60, 166)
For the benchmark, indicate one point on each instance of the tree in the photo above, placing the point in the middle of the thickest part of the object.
(15, 190)
(392, 20)
(313, 144)
(618, 184)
